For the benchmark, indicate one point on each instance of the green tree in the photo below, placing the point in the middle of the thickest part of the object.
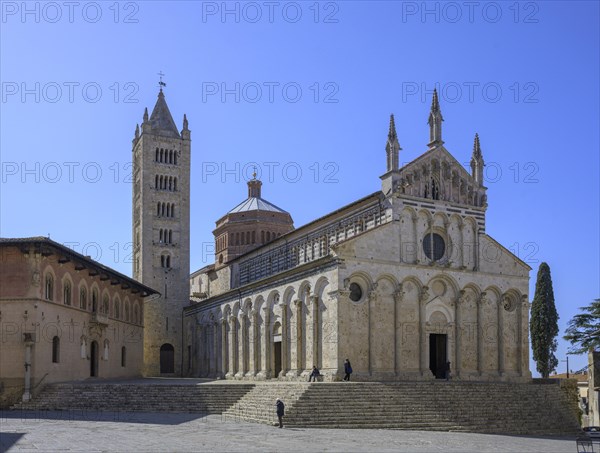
(583, 331)
(544, 323)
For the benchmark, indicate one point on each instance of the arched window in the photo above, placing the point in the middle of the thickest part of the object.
(158, 210)
(123, 356)
(136, 314)
(435, 191)
(168, 209)
(268, 236)
(172, 209)
(55, 350)
(127, 311)
(175, 158)
(171, 156)
(67, 292)
(94, 300)
(175, 184)
(160, 235)
(162, 260)
(170, 236)
(83, 298)
(162, 207)
(161, 154)
(117, 312)
(105, 305)
(49, 286)
(168, 261)
(170, 183)
(156, 182)
(156, 158)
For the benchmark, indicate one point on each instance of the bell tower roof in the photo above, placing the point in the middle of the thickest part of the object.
(161, 120)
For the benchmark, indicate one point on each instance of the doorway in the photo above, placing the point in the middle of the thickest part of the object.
(94, 359)
(277, 352)
(167, 359)
(438, 354)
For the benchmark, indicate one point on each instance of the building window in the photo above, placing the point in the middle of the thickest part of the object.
(67, 293)
(117, 312)
(105, 305)
(83, 299)
(123, 356)
(434, 246)
(356, 292)
(136, 314)
(94, 300)
(127, 311)
(55, 350)
(49, 287)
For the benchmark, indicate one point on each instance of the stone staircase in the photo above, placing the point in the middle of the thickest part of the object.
(135, 397)
(439, 405)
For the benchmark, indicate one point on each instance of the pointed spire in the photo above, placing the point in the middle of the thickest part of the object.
(185, 122)
(477, 161)
(435, 122)
(477, 148)
(161, 119)
(146, 115)
(137, 131)
(392, 147)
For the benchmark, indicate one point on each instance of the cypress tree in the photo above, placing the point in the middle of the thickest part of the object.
(544, 323)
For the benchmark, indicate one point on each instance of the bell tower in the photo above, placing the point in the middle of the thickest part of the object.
(161, 233)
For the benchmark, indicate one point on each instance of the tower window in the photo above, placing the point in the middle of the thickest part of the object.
(156, 157)
(175, 184)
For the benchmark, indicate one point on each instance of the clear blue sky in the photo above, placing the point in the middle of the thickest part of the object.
(305, 90)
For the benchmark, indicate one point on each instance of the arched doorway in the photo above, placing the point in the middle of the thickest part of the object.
(167, 358)
(94, 359)
(277, 350)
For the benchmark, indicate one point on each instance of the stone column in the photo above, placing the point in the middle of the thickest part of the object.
(215, 352)
(199, 365)
(285, 339)
(480, 304)
(501, 335)
(242, 343)
(461, 300)
(415, 238)
(224, 348)
(398, 296)
(314, 300)
(265, 345)
(299, 331)
(232, 346)
(424, 297)
(252, 349)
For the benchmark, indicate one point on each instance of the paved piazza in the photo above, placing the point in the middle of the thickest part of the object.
(160, 432)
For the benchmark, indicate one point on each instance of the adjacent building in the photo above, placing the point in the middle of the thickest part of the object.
(65, 317)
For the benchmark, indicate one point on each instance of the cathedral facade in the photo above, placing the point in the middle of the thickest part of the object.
(400, 282)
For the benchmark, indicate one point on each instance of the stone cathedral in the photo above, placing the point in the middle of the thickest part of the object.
(400, 282)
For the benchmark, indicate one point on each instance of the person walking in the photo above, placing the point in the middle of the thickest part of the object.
(347, 370)
(280, 408)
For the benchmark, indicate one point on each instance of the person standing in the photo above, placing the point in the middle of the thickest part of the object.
(347, 370)
(280, 408)
(314, 374)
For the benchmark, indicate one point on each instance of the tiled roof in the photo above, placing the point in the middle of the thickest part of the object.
(256, 204)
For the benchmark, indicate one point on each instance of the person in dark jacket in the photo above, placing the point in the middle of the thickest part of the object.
(280, 407)
(347, 370)
(315, 373)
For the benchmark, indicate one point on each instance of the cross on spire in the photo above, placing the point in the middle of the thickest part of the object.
(161, 84)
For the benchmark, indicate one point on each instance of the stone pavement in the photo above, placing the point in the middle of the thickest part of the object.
(161, 432)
